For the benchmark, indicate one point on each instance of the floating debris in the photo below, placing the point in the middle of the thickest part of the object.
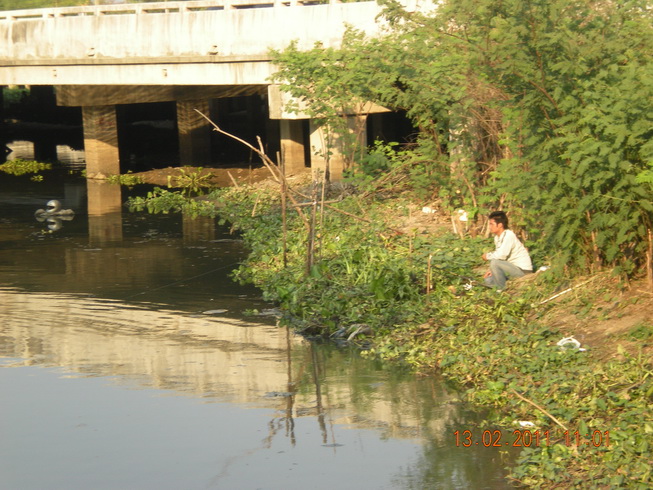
(276, 312)
(53, 208)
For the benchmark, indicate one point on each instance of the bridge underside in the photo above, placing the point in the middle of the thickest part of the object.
(297, 140)
(101, 122)
(191, 53)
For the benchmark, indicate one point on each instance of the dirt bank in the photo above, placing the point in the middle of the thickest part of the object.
(220, 177)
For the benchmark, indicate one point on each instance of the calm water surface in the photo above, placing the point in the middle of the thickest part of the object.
(127, 361)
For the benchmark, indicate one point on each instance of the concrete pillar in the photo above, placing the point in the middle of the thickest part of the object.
(327, 144)
(323, 148)
(358, 128)
(104, 212)
(2, 104)
(292, 145)
(101, 141)
(194, 132)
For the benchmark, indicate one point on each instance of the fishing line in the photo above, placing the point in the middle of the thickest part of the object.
(181, 281)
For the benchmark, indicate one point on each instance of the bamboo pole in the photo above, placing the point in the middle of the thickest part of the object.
(233, 181)
(522, 397)
(310, 252)
(284, 224)
(649, 260)
(258, 197)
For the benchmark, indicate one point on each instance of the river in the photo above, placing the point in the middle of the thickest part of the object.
(130, 360)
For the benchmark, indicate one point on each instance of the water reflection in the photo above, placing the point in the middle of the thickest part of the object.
(312, 393)
(201, 395)
(104, 212)
(228, 359)
(43, 151)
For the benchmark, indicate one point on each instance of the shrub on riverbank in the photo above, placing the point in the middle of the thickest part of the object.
(591, 418)
(541, 107)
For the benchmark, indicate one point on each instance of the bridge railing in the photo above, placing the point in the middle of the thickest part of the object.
(152, 8)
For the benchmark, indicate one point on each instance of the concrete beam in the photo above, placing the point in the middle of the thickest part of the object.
(178, 73)
(92, 95)
(279, 103)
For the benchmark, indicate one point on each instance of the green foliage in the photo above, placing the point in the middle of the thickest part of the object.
(641, 332)
(165, 202)
(485, 343)
(366, 274)
(584, 93)
(381, 280)
(127, 179)
(192, 180)
(543, 107)
(331, 83)
(646, 177)
(21, 167)
(378, 159)
(13, 95)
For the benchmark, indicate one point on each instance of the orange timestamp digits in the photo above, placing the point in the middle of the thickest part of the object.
(529, 438)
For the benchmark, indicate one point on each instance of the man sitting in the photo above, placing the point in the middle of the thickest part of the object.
(510, 259)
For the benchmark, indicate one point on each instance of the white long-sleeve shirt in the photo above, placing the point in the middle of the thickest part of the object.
(508, 247)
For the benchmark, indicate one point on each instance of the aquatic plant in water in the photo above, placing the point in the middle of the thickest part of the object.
(127, 179)
(162, 201)
(20, 167)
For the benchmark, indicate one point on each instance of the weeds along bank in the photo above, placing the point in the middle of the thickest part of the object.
(366, 278)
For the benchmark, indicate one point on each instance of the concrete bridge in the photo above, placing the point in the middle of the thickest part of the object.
(190, 52)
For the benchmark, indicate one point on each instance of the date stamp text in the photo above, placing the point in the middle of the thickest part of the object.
(530, 438)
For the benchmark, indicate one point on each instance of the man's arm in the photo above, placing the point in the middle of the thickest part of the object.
(505, 247)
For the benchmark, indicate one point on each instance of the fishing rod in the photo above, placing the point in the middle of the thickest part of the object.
(181, 281)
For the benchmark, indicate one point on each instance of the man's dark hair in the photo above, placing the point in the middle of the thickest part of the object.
(499, 217)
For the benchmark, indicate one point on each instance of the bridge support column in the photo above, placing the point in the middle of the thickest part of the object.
(292, 144)
(101, 141)
(323, 149)
(194, 132)
(325, 143)
(2, 104)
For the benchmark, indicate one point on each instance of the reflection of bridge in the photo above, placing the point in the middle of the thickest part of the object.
(215, 358)
(195, 53)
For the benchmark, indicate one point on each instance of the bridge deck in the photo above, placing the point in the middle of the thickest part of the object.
(224, 42)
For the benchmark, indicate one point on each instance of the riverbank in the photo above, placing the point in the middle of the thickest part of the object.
(397, 281)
